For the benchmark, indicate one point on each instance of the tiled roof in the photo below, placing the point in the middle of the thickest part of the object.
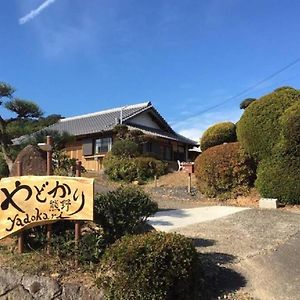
(98, 121)
(107, 119)
(163, 134)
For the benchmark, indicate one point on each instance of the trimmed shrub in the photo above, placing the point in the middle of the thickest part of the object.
(151, 266)
(259, 128)
(148, 167)
(283, 88)
(245, 103)
(125, 148)
(278, 177)
(119, 169)
(218, 134)
(290, 123)
(4, 171)
(224, 171)
(119, 212)
(128, 170)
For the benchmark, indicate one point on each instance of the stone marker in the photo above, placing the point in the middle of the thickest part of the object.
(268, 203)
(33, 162)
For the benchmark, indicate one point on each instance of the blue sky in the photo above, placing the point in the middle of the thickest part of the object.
(74, 57)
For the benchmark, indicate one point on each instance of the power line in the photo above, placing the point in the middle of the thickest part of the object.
(249, 88)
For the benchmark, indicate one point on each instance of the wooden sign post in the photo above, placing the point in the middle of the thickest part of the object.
(77, 223)
(21, 235)
(49, 143)
(189, 168)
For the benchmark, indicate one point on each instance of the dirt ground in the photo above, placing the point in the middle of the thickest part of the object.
(171, 191)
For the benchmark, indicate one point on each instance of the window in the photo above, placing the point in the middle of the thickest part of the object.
(103, 145)
(167, 153)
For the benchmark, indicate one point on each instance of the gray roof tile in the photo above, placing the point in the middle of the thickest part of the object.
(106, 120)
(97, 122)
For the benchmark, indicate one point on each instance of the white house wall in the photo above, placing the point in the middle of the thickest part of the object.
(145, 120)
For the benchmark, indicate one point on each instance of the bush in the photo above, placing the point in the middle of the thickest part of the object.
(122, 132)
(118, 168)
(259, 128)
(4, 171)
(245, 103)
(224, 170)
(63, 165)
(125, 148)
(151, 266)
(290, 123)
(119, 212)
(128, 170)
(278, 177)
(92, 243)
(218, 134)
(90, 250)
(148, 167)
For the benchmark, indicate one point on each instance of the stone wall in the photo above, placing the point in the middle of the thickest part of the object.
(14, 285)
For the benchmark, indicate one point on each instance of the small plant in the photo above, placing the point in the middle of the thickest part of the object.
(151, 266)
(119, 212)
(63, 165)
(90, 250)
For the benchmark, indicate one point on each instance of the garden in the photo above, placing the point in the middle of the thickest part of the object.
(125, 257)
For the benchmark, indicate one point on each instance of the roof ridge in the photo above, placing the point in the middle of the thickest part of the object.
(125, 107)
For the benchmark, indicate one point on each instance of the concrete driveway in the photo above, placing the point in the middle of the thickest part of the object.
(171, 219)
(250, 251)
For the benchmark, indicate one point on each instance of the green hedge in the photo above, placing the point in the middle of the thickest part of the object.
(278, 177)
(218, 134)
(290, 123)
(151, 266)
(259, 128)
(119, 212)
(130, 169)
(224, 171)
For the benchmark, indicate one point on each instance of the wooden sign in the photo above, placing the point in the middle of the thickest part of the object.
(188, 168)
(28, 201)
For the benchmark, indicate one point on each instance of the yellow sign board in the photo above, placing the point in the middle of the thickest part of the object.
(29, 201)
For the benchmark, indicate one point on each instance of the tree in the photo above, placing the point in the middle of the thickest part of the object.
(23, 109)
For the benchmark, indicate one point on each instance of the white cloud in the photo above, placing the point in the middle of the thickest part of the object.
(194, 127)
(191, 133)
(35, 12)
